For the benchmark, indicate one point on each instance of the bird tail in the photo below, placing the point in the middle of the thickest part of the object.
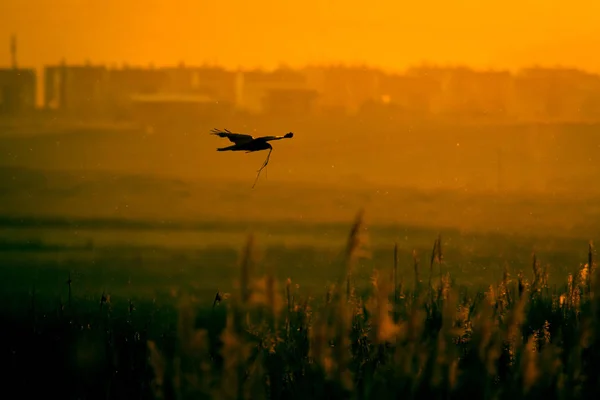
(232, 147)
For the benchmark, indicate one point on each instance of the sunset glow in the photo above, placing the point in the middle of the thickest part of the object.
(389, 34)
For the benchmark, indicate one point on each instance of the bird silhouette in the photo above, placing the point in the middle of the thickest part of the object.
(248, 143)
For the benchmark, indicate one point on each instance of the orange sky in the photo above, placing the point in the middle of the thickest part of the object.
(392, 34)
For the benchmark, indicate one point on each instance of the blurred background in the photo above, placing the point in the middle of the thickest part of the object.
(480, 121)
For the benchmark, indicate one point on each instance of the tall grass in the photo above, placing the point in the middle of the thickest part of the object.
(266, 340)
(519, 339)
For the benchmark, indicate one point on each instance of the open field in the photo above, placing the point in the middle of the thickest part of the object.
(528, 179)
(98, 328)
(357, 151)
(147, 230)
(157, 259)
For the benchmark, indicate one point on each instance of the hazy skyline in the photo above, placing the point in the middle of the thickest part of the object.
(266, 33)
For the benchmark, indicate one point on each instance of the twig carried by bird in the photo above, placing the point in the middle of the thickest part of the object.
(248, 143)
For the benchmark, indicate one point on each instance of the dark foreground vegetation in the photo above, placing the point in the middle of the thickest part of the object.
(406, 337)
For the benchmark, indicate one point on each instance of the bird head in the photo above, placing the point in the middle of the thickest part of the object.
(289, 135)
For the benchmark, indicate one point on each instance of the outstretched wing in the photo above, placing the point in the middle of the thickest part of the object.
(236, 138)
(269, 138)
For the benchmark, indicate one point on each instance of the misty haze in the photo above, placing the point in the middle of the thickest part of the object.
(423, 201)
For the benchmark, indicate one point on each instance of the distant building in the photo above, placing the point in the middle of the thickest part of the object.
(129, 81)
(456, 92)
(348, 88)
(17, 90)
(464, 92)
(493, 94)
(75, 88)
(477, 94)
(218, 83)
(557, 94)
(171, 109)
(414, 95)
(172, 89)
(215, 82)
(257, 86)
(289, 102)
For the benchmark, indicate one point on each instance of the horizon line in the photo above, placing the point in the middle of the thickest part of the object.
(286, 66)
